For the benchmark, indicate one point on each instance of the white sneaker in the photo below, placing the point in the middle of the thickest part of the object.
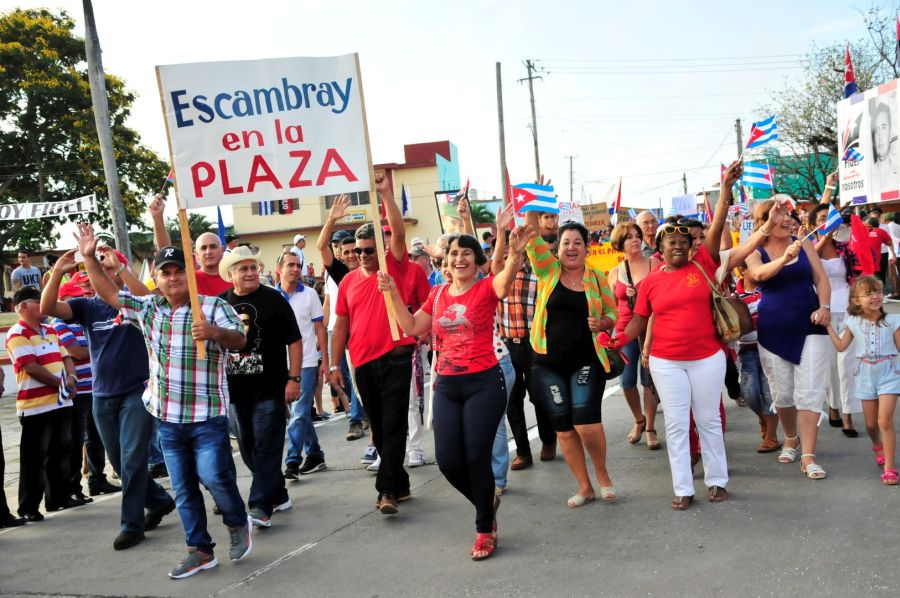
(374, 466)
(283, 506)
(416, 459)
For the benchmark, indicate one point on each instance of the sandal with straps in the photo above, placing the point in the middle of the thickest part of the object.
(788, 454)
(879, 459)
(641, 426)
(890, 477)
(652, 443)
(484, 543)
(812, 470)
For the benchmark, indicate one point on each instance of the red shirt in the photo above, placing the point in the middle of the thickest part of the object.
(419, 288)
(211, 285)
(683, 327)
(360, 300)
(464, 328)
(877, 238)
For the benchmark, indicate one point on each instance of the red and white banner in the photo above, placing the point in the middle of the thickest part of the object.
(255, 130)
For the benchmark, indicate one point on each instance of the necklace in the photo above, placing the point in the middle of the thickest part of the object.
(570, 282)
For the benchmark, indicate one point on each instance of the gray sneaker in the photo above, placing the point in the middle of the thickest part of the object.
(194, 562)
(355, 432)
(241, 543)
(259, 518)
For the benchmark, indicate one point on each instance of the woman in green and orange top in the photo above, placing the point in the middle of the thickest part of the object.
(574, 303)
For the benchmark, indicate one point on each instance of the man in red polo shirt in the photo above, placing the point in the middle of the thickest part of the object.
(877, 238)
(383, 366)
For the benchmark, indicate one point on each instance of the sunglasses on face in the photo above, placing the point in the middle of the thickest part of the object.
(668, 229)
(362, 250)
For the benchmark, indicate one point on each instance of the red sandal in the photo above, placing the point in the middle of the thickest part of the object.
(484, 543)
(890, 477)
(879, 459)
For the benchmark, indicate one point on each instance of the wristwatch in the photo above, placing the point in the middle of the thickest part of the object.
(334, 368)
(826, 306)
(296, 379)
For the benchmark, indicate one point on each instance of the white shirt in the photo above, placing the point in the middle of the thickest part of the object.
(331, 289)
(308, 310)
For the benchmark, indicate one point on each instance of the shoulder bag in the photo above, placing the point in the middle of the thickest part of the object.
(731, 316)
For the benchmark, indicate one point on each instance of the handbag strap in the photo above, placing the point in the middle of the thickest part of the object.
(712, 288)
(631, 300)
(437, 297)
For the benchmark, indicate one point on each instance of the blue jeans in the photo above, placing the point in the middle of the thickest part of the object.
(300, 430)
(629, 376)
(754, 385)
(260, 433)
(154, 452)
(197, 454)
(124, 426)
(500, 451)
(357, 413)
(571, 399)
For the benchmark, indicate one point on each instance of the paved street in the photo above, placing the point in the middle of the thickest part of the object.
(779, 534)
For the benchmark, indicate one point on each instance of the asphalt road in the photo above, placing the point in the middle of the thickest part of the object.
(779, 534)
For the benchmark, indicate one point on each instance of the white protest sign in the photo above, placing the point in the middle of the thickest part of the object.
(868, 123)
(684, 205)
(746, 229)
(570, 212)
(48, 209)
(258, 130)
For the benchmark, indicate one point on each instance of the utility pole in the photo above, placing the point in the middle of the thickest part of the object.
(739, 131)
(571, 179)
(104, 132)
(502, 137)
(529, 66)
(684, 181)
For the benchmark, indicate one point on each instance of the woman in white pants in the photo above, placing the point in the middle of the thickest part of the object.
(686, 357)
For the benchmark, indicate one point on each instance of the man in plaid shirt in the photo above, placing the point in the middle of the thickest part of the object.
(188, 395)
(514, 315)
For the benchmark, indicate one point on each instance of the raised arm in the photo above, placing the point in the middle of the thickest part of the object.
(323, 243)
(110, 260)
(465, 214)
(156, 208)
(504, 218)
(777, 215)
(518, 238)
(760, 271)
(714, 235)
(105, 288)
(830, 186)
(412, 325)
(50, 305)
(394, 218)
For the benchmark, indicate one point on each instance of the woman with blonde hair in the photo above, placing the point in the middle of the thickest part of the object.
(624, 280)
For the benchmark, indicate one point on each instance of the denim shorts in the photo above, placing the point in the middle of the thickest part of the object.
(629, 376)
(874, 379)
(570, 400)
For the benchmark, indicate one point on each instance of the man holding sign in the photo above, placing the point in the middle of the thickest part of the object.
(383, 366)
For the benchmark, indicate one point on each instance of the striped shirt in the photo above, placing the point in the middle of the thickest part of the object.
(515, 312)
(26, 345)
(601, 302)
(70, 334)
(182, 388)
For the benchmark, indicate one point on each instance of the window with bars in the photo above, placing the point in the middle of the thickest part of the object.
(360, 198)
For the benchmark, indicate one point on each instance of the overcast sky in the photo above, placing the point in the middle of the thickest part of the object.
(646, 90)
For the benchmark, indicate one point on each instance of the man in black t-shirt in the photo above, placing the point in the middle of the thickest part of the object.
(262, 378)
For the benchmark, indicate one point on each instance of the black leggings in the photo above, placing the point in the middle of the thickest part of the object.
(467, 410)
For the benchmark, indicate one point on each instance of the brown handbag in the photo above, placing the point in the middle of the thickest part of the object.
(731, 316)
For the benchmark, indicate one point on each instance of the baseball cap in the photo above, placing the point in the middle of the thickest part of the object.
(26, 294)
(168, 255)
(340, 235)
(418, 252)
(80, 277)
(416, 241)
(70, 289)
(299, 238)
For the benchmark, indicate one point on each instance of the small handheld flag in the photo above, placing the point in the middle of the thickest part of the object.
(757, 174)
(852, 155)
(632, 214)
(763, 132)
(850, 87)
(531, 197)
(404, 202)
(832, 221)
(614, 209)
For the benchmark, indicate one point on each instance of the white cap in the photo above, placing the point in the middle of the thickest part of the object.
(417, 241)
(298, 238)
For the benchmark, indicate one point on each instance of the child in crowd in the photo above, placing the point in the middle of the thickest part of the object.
(875, 336)
(754, 385)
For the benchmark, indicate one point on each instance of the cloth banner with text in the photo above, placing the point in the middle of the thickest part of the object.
(48, 209)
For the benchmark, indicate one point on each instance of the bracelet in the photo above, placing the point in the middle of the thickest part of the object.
(764, 233)
(832, 187)
(121, 267)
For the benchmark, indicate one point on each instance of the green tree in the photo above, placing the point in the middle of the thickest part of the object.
(482, 215)
(48, 140)
(197, 223)
(806, 108)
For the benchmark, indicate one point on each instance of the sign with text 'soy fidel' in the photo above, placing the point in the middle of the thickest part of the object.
(256, 130)
(48, 209)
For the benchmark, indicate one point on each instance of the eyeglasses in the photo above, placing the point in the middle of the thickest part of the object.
(362, 250)
(668, 229)
(870, 294)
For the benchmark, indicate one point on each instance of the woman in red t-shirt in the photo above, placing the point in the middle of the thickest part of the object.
(469, 392)
(686, 357)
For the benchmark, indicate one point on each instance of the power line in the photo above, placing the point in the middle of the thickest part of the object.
(686, 59)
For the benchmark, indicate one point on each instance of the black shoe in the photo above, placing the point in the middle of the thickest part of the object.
(80, 497)
(103, 487)
(68, 502)
(850, 432)
(127, 540)
(153, 517)
(311, 465)
(292, 471)
(33, 517)
(11, 521)
(158, 471)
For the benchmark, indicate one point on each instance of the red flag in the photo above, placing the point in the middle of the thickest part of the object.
(509, 197)
(859, 244)
(520, 198)
(618, 203)
(286, 206)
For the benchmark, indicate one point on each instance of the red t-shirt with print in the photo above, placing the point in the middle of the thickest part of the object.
(463, 328)
(877, 238)
(683, 327)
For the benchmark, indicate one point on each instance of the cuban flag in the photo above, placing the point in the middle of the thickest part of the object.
(852, 155)
(850, 87)
(757, 174)
(833, 221)
(265, 208)
(170, 178)
(531, 197)
(632, 214)
(763, 132)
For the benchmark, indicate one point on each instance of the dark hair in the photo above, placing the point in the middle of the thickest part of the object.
(366, 231)
(486, 235)
(811, 216)
(576, 226)
(468, 242)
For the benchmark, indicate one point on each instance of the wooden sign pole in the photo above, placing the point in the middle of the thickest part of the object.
(186, 242)
(373, 210)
